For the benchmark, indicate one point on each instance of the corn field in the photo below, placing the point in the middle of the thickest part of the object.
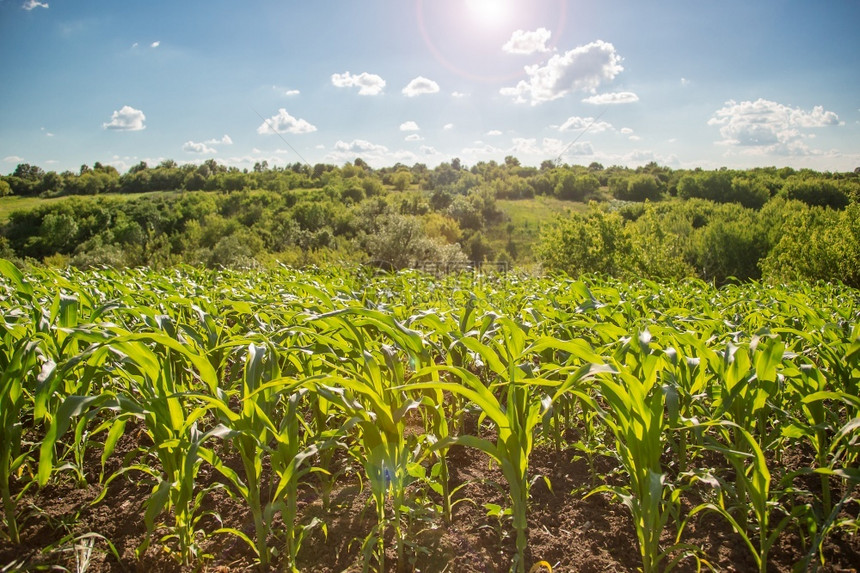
(253, 409)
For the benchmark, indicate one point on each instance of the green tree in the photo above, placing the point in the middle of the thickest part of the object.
(817, 244)
(573, 187)
(401, 243)
(750, 192)
(401, 180)
(815, 191)
(52, 184)
(478, 248)
(592, 242)
(660, 241)
(730, 245)
(637, 187)
(465, 212)
(711, 185)
(195, 181)
(59, 233)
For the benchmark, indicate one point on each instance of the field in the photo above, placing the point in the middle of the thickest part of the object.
(10, 204)
(524, 219)
(340, 420)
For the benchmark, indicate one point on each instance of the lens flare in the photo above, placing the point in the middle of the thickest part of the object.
(466, 36)
(489, 12)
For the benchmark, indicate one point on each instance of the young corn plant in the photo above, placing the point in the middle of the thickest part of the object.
(380, 416)
(818, 421)
(156, 392)
(268, 424)
(747, 381)
(636, 417)
(751, 469)
(21, 367)
(518, 414)
(251, 433)
(371, 391)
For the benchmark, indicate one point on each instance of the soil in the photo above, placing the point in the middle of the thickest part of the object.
(570, 530)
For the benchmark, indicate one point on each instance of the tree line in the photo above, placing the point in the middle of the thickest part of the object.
(651, 221)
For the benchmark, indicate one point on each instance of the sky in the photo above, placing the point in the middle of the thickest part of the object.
(683, 83)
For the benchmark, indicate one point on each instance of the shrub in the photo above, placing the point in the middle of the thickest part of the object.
(594, 242)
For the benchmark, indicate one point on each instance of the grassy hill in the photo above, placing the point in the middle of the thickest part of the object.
(524, 220)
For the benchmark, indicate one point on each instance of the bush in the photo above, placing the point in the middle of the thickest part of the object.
(236, 251)
(815, 192)
(660, 241)
(731, 245)
(818, 244)
(594, 242)
(572, 187)
(637, 188)
(402, 243)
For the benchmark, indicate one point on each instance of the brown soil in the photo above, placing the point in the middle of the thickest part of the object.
(567, 529)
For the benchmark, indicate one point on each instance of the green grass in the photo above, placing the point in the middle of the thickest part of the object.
(524, 220)
(9, 205)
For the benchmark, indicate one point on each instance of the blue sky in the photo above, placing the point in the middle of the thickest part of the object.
(683, 83)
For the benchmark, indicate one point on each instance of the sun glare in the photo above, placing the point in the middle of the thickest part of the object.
(489, 12)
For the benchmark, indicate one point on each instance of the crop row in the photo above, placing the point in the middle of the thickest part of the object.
(698, 393)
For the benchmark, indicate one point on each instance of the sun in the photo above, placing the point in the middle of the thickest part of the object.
(489, 12)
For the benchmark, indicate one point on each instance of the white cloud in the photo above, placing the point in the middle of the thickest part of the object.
(13, 159)
(523, 42)
(226, 140)
(155, 44)
(626, 131)
(482, 150)
(420, 85)
(548, 147)
(448, 126)
(612, 98)
(583, 148)
(32, 4)
(194, 147)
(428, 150)
(634, 138)
(368, 84)
(685, 82)
(582, 69)
(282, 90)
(375, 154)
(459, 95)
(126, 119)
(248, 161)
(414, 137)
(494, 132)
(764, 126)
(577, 123)
(359, 146)
(409, 126)
(283, 122)
(642, 156)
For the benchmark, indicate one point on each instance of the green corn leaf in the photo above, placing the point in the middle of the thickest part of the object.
(156, 503)
(12, 273)
(72, 407)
